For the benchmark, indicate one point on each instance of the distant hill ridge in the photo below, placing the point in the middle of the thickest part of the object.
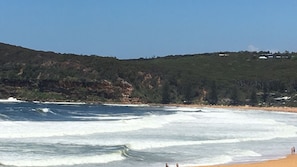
(230, 78)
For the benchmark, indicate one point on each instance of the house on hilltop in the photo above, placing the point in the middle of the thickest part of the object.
(263, 58)
(273, 56)
(221, 54)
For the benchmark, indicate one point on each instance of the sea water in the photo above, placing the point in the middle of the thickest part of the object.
(82, 135)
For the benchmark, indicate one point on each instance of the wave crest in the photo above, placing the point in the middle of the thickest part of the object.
(70, 160)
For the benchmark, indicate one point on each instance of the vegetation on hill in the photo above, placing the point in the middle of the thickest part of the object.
(232, 78)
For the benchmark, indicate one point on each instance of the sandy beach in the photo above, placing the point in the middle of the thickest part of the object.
(289, 161)
(281, 109)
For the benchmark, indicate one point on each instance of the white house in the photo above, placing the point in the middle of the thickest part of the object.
(223, 54)
(263, 58)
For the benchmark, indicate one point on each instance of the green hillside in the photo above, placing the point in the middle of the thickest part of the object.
(233, 78)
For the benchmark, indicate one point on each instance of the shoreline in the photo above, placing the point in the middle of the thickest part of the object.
(246, 107)
(288, 161)
(271, 108)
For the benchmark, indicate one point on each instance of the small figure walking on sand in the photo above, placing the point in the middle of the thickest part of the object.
(177, 165)
(293, 150)
(166, 165)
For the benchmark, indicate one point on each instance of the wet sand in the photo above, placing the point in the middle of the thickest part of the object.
(289, 161)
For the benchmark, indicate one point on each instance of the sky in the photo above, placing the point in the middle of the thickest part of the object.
(131, 29)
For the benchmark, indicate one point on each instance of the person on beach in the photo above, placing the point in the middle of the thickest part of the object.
(166, 165)
(293, 150)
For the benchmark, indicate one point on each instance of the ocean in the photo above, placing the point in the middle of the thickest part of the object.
(83, 135)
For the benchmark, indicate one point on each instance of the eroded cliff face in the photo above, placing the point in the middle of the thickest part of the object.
(35, 75)
(126, 89)
(71, 80)
(92, 91)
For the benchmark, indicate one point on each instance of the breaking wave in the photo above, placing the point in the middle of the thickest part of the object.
(69, 160)
(27, 129)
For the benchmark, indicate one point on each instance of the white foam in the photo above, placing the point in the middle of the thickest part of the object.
(265, 129)
(58, 161)
(221, 159)
(244, 153)
(43, 110)
(185, 109)
(126, 105)
(106, 117)
(144, 144)
(150, 144)
(26, 129)
(247, 126)
(64, 103)
(11, 100)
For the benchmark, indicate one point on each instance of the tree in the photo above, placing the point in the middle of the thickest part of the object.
(235, 97)
(265, 93)
(253, 99)
(188, 92)
(165, 93)
(213, 96)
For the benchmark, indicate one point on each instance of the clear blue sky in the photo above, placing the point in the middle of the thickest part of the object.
(129, 29)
